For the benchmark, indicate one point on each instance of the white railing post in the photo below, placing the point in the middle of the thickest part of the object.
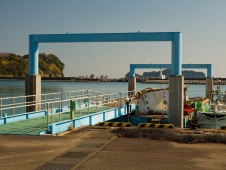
(25, 105)
(52, 112)
(61, 97)
(60, 102)
(53, 100)
(68, 95)
(120, 99)
(96, 103)
(88, 105)
(47, 116)
(103, 102)
(1, 107)
(115, 100)
(109, 101)
(45, 100)
(80, 107)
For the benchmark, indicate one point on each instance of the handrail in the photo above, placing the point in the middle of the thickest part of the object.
(60, 100)
(94, 103)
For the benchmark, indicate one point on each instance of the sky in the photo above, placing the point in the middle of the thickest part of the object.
(201, 22)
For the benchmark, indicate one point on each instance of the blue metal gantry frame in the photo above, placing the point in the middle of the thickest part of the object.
(174, 37)
(152, 66)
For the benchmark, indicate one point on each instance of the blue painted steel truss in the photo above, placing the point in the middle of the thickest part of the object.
(170, 66)
(174, 37)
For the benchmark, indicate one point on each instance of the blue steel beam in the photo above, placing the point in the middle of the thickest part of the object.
(146, 66)
(200, 66)
(104, 37)
(174, 37)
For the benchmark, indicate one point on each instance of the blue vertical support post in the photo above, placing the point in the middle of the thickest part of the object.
(176, 58)
(209, 82)
(33, 79)
(33, 55)
(209, 71)
(176, 83)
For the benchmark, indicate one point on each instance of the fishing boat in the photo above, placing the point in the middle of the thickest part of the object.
(213, 114)
(198, 111)
(153, 103)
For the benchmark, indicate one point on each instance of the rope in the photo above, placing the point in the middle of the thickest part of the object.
(137, 119)
(134, 118)
(215, 118)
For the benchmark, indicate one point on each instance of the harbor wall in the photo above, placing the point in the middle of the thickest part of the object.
(186, 81)
(138, 79)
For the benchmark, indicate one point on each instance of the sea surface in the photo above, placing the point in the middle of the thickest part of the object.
(11, 88)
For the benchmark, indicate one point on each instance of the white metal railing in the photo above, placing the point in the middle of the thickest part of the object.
(87, 105)
(18, 104)
(58, 109)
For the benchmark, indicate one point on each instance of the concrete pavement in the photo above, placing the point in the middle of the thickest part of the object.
(35, 152)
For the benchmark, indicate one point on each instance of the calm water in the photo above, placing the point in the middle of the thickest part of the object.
(9, 88)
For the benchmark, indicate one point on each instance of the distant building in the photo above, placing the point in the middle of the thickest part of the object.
(161, 76)
(4, 54)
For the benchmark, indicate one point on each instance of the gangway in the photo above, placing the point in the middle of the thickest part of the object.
(57, 116)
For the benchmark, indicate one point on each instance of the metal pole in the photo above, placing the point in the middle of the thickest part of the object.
(109, 101)
(115, 100)
(60, 111)
(61, 96)
(45, 99)
(76, 101)
(68, 95)
(47, 115)
(88, 104)
(80, 107)
(54, 100)
(1, 107)
(13, 106)
(127, 107)
(52, 112)
(120, 99)
(103, 103)
(96, 103)
(24, 105)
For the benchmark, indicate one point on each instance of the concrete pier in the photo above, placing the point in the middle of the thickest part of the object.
(176, 96)
(33, 87)
(209, 87)
(132, 84)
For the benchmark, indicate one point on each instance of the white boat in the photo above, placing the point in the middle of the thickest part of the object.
(153, 103)
(211, 113)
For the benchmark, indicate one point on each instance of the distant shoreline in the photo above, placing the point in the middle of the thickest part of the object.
(141, 80)
(67, 79)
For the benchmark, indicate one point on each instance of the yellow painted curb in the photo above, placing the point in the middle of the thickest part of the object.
(147, 125)
(114, 124)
